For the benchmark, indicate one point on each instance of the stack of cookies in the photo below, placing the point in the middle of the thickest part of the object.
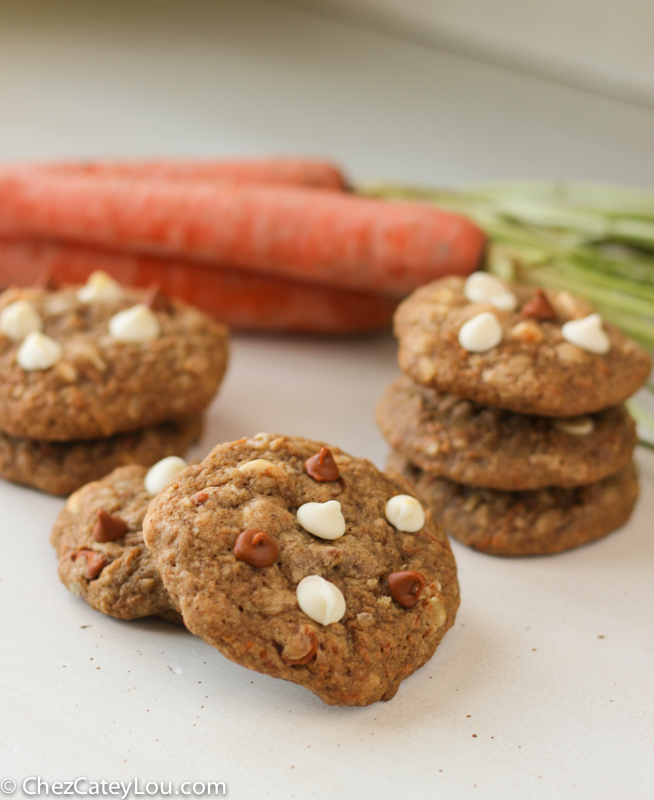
(290, 557)
(508, 417)
(99, 376)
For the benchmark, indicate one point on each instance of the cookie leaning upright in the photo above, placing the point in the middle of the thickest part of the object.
(532, 352)
(85, 363)
(98, 537)
(289, 558)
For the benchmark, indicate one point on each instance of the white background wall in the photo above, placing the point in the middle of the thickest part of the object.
(603, 45)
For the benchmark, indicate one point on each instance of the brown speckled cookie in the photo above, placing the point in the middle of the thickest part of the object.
(100, 385)
(116, 577)
(533, 370)
(63, 467)
(252, 613)
(481, 446)
(538, 522)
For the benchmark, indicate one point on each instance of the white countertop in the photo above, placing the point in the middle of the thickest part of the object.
(544, 686)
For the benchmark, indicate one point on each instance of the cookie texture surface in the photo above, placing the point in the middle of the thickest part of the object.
(115, 577)
(533, 369)
(252, 613)
(100, 385)
(63, 467)
(537, 522)
(458, 439)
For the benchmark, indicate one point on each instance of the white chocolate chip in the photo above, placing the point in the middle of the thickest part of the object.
(405, 513)
(162, 473)
(38, 351)
(439, 610)
(135, 324)
(575, 426)
(320, 600)
(73, 504)
(99, 287)
(20, 318)
(481, 333)
(324, 520)
(484, 288)
(587, 333)
(75, 587)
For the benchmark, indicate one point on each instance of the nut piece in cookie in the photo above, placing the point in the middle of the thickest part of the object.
(266, 586)
(99, 541)
(524, 359)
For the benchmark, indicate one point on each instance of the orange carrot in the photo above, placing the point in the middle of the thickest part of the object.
(308, 235)
(301, 172)
(245, 301)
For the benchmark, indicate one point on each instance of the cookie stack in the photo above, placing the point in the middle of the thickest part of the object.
(290, 557)
(100, 376)
(508, 417)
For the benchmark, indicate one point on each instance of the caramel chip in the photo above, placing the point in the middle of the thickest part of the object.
(256, 548)
(108, 528)
(46, 281)
(538, 307)
(95, 563)
(406, 587)
(156, 299)
(322, 467)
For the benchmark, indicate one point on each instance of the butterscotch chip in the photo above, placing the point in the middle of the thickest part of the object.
(532, 370)
(63, 467)
(539, 306)
(156, 300)
(256, 548)
(406, 587)
(464, 441)
(368, 643)
(108, 527)
(107, 386)
(116, 577)
(537, 522)
(321, 466)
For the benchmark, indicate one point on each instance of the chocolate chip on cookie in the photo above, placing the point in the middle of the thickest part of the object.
(322, 466)
(538, 307)
(256, 548)
(326, 612)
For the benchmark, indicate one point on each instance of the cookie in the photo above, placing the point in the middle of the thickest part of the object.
(88, 363)
(280, 552)
(519, 348)
(115, 575)
(532, 523)
(63, 467)
(481, 446)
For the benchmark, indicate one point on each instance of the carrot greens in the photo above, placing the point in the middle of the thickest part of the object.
(591, 240)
